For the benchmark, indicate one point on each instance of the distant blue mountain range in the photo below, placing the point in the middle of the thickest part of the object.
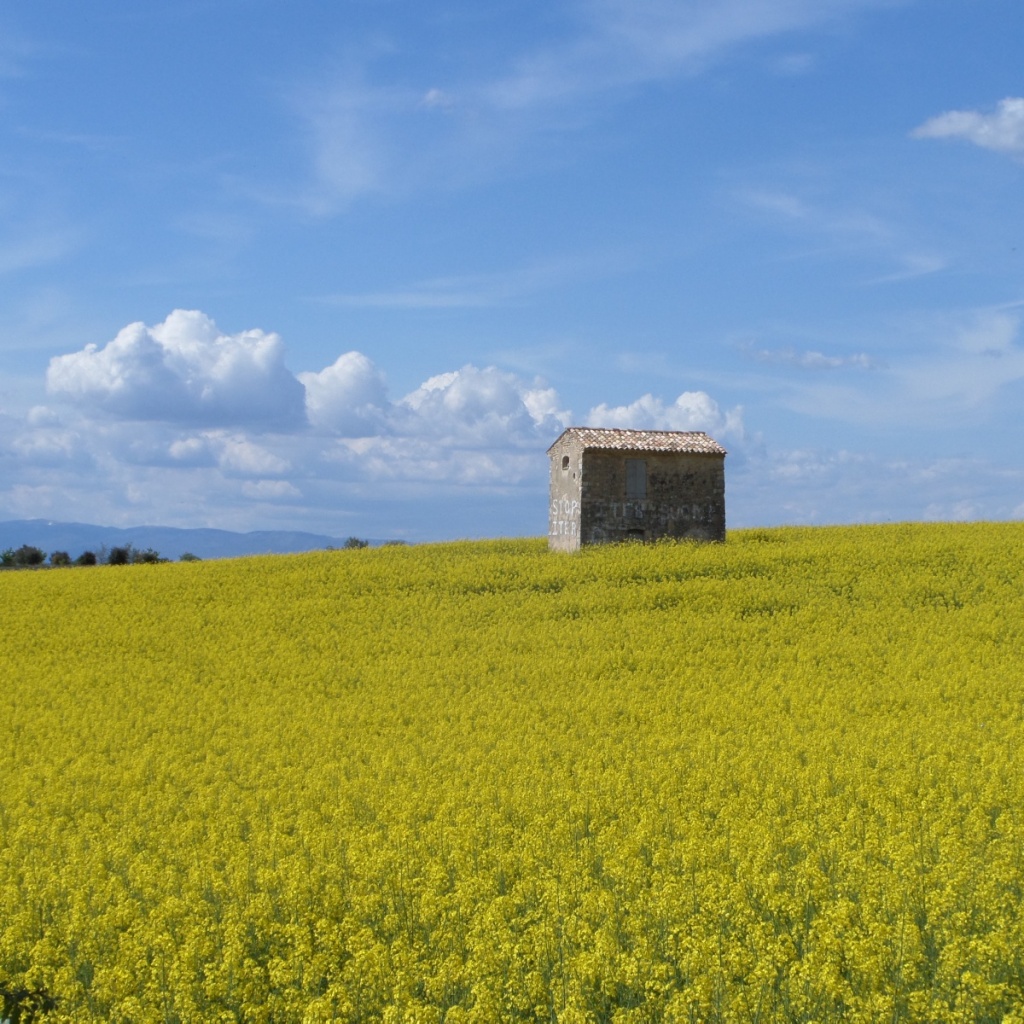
(172, 543)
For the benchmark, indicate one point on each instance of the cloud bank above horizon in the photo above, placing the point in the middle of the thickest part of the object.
(184, 372)
(181, 408)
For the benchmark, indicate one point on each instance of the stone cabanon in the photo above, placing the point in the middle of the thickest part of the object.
(614, 485)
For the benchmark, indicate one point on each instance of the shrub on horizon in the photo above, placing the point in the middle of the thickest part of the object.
(28, 555)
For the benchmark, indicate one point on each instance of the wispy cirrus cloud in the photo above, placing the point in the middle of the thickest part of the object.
(368, 137)
(16, 50)
(353, 152)
(953, 366)
(835, 230)
(1002, 130)
(471, 291)
(812, 359)
(839, 485)
(979, 355)
(37, 246)
(628, 42)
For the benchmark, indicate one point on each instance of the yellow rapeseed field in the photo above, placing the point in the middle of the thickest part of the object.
(779, 779)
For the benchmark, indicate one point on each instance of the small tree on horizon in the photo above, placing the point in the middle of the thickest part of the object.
(120, 555)
(28, 555)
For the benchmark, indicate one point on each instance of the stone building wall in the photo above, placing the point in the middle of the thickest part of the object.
(564, 511)
(611, 484)
(684, 497)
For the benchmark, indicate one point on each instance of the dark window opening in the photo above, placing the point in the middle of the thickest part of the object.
(636, 479)
(565, 462)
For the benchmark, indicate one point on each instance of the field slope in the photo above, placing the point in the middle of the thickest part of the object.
(779, 779)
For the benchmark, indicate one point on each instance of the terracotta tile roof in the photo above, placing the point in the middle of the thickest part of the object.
(602, 438)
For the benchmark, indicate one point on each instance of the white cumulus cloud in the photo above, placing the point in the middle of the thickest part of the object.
(692, 410)
(241, 456)
(1002, 130)
(183, 370)
(347, 397)
(480, 406)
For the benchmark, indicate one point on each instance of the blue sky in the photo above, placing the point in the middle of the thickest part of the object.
(351, 266)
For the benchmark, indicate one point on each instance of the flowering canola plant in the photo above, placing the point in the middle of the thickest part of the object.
(778, 779)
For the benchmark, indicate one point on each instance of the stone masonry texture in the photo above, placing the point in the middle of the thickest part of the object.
(677, 489)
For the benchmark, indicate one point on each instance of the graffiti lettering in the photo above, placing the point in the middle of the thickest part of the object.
(565, 507)
(564, 517)
(564, 528)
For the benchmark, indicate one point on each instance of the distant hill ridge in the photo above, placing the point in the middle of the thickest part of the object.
(171, 542)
